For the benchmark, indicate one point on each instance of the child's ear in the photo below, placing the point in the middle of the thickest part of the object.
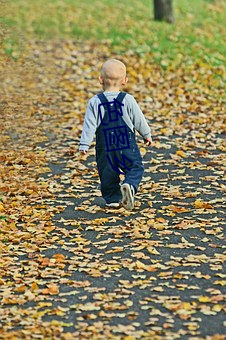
(101, 80)
(125, 81)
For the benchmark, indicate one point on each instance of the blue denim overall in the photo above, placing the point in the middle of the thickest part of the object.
(132, 166)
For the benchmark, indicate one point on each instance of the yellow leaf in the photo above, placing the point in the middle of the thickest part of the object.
(78, 239)
(44, 304)
(140, 265)
(181, 154)
(158, 289)
(155, 161)
(204, 299)
(59, 257)
(53, 289)
(115, 250)
(1, 208)
(12, 225)
(160, 227)
(67, 336)
(20, 289)
(100, 221)
(222, 282)
(217, 308)
(187, 305)
(38, 315)
(192, 326)
(55, 323)
(153, 251)
(143, 151)
(34, 286)
(199, 204)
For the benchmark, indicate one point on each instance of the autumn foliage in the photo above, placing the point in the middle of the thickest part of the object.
(71, 269)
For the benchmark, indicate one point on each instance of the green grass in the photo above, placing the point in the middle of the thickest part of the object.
(198, 30)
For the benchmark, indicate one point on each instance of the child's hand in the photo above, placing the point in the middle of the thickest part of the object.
(148, 141)
(83, 152)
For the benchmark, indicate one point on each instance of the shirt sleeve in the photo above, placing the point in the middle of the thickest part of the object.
(89, 128)
(138, 120)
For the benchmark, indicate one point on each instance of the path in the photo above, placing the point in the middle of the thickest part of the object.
(72, 269)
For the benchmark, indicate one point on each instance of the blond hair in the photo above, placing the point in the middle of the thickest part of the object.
(113, 71)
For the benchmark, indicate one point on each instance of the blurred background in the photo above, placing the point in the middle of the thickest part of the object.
(196, 28)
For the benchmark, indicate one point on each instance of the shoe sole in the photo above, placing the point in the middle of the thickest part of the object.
(112, 205)
(127, 197)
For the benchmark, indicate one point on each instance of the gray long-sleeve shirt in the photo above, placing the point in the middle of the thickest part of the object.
(132, 116)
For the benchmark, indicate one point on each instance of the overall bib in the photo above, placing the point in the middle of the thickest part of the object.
(116, 152)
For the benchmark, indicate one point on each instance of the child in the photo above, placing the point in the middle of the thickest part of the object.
(114, 116)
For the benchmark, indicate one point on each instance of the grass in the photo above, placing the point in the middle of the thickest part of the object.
(197, 33)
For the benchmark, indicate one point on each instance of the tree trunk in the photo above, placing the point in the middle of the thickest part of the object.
(163, 10)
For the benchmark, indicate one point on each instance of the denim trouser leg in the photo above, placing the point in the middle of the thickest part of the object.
(134, 176)
(109, 178)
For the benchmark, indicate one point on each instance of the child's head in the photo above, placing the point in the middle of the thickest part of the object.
(113, 75)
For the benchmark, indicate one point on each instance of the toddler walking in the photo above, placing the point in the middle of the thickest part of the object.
(114, 116)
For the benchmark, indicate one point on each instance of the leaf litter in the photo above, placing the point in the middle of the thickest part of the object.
(71, 268)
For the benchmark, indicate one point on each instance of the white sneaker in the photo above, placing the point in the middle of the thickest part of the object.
(113, 205)
(128, 194)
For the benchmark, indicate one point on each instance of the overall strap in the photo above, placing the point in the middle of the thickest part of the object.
(104, 101)
(102, 98)
(121, 96)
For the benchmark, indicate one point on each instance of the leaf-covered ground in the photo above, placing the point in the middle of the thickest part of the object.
(69, 268)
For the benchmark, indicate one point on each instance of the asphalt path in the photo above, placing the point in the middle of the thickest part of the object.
(156, 272)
